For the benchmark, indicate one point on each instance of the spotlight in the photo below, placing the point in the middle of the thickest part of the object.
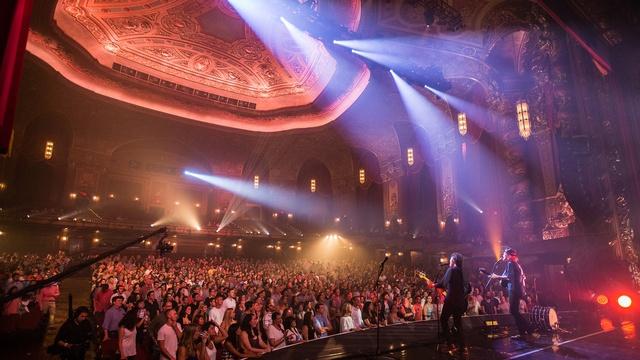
(624, 301)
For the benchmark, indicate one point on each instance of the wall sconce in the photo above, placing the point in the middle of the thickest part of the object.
(524, 124)
(410, 159)
(462, 123)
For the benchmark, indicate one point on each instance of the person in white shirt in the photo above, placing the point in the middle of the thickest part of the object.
(216, 314)
(277, 338)
(346, 322)
(168, 336)
(356, 313)
(230, 301)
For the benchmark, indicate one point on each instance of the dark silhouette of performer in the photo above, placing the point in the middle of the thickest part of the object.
(515, 278)
(454, 301)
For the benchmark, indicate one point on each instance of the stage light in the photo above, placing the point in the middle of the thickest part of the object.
(239, 247)
(336, 220)
(275, 215)
(602, 299)
(387, 254)
(387, 223)
(95, 240)
(73, 195)
(289, 215)
(63, 238)
(361, 176)
(1, 233)
(256, 182)
(176, 203)
(313, 185)
(197, 205)
(399, 221)
(299, 248)
(136, 199)
(95, 198)
(218, 246)
(400, 253)
(624, 301)
(217, 211)
(3, 186)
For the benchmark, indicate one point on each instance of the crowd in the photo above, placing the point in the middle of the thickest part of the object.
(208, 308)
(19, 271)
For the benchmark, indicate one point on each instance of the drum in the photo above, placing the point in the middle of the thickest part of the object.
(543, 317)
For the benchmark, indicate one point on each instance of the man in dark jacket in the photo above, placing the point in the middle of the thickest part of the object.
(74, 335)
(514, 277)
(454, 301)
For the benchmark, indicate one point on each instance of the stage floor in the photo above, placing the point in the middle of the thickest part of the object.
(585, 339)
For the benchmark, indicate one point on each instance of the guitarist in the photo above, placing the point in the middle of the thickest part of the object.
(514, 278)
(455, 300)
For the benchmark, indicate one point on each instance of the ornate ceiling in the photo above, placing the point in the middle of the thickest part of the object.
(199, 60)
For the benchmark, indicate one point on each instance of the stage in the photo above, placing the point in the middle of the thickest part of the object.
(585, 338)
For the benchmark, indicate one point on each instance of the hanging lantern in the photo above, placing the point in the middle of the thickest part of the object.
(361, 176)
(462, 123)
(48, 150)
(410, 156)
(524, 124)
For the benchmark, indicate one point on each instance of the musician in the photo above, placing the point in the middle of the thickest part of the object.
(454, 302)
(515, 278)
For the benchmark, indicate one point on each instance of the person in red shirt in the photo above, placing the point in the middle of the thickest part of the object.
(101, 301)
(48, 296)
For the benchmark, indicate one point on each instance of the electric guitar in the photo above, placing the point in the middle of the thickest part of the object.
(503, 282)
(422, 275)
(467, 287)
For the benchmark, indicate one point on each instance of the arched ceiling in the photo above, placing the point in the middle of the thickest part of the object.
(199, 60)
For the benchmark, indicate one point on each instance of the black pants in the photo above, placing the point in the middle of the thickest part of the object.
(449, 309)
(514, 309)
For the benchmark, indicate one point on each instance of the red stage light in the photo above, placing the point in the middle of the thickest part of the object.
(624, 301)
(602, 299)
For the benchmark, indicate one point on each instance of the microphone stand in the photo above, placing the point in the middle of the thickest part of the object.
(437, 303)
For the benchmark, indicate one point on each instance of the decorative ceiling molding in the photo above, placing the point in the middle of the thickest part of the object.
(198, 60)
